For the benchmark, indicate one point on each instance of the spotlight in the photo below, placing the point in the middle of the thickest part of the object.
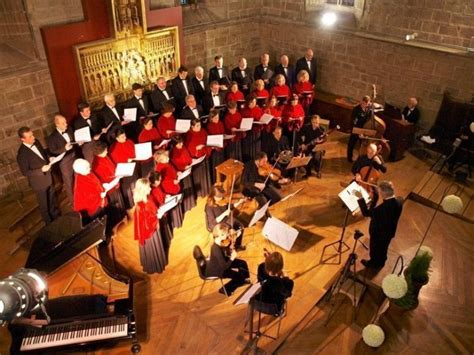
(411, 37)
(21, 293)
(328, 19)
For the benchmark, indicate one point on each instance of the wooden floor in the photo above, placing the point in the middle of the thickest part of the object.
(175, 315)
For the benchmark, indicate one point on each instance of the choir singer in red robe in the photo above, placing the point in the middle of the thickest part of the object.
(195, 141)
(166, 124)
(304, 89)
(280, 89)
(148, 134)
(234, 93)
(232, 122)
(251, 144)
(181, 159)
(215, 127)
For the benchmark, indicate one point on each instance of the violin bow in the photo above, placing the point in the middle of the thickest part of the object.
(273, 167)
(231, 192)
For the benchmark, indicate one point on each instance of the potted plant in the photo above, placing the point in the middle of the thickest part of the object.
(416, 275)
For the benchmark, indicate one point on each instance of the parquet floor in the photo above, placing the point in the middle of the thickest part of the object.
(176, 315)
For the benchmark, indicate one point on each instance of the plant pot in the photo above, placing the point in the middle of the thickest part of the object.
(410, 300)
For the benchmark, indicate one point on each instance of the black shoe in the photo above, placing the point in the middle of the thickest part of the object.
(240, 248)
(247, 281)
(222, 290)
(318, 175)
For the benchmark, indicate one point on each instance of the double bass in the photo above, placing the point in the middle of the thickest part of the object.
(378, 125)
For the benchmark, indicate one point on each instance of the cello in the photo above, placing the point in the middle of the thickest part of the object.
(378, 125)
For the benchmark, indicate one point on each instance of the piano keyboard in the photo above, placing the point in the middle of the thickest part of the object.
(75, 333)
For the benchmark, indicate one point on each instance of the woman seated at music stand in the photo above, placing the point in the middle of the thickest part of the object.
(276, 287)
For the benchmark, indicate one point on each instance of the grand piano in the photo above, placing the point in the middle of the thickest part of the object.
(88, 305)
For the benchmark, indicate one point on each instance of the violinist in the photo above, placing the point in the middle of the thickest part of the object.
(276, 287)
(220, 210)
(373, 161)
(257, 182)
(360, 115)
(223, 261)
(308, 138)
(275, 144)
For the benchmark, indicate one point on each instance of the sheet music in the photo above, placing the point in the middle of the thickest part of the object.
(247, 295)
(130, 114)
(279, 233)
(215, 140)
(143, 151)
(182, 126)
(124, 169)
(265, 119)
(168, 205)
(83, 134)
(229, 136)
(109, 186)
(56, 159)
(163, 143)
(184, 174)
(291, 195)
(350, 199)
(259, 214)
(108, 127)
(198, 160)
(245, 125)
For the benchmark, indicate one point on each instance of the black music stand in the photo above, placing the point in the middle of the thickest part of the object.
(340, 243)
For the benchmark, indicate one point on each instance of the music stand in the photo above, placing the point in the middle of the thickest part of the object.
(297, 162)
(351, 205)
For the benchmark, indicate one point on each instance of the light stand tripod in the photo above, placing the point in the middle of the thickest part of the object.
(340, 242)
(347, 280)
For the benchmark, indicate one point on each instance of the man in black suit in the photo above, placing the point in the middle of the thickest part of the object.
(161, 94)
(360, 114)
(257, 186)
(214, 98)
(111, 114)
(308, 63)
(140, 102)
(219, 73)
(181, 87)
(287, 70)
(86, 119)
(192, 109)
(383, 223)
(59, 142)
(200, 84)
(34, 164)
(263, 71)
(411, 113)
(243, 76)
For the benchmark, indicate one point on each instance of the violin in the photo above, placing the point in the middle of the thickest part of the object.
(228, 244)
(270, 171)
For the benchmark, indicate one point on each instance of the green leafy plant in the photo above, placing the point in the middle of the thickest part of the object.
(419, 267)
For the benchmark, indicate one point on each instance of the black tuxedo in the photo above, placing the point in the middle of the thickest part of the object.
(41, 182)
(95, 128)
(261, 73)
(208, 102)
(179, 92)
(245, 83)
(187, 113)
(290, 77)
(214, 75)
(383, 226)
(158, 98)
(56, 146)
(199, 91)
(274, 147)
(132, 129)
(108, 116)
(301, 64)
(359, 118)
(411, 116)
(275, 289)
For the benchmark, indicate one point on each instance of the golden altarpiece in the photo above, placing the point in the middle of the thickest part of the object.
(133, 55)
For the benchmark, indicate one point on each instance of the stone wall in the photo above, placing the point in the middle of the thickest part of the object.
(28, 100)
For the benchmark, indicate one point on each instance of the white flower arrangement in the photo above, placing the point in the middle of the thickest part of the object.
(425, 250)
(452, 204)
(373, 335)
(394, 286)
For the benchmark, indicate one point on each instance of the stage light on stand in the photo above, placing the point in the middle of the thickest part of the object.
(328, 19)
(21, 293)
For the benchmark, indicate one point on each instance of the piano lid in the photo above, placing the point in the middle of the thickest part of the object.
(55, 245)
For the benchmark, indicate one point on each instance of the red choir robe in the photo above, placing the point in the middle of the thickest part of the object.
(104, 169)
(145, 220)
(158, 196)
(291, 111)
(151, 135)
(276, 113)
(301, 87)
(121, 152)
(282, 90)
(233, 121)
(214, 129)
(166, 124)
(180, 158)
(261, 93)
(87, 190)
(256, 113)
(193, 139)
(234, 96)
(168, 175)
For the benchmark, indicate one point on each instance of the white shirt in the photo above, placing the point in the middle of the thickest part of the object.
(114, 110)
(185, 84)
(140, 100)
(219, 70)
(216, 99)
(201, 82)
(309, 64)
(195, 112)
(285, 69)
(88, 121)
(165, 93)
(243, 73)
(35, 150)
(65, 136)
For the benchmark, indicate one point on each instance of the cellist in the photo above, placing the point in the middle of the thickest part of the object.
(366, 169)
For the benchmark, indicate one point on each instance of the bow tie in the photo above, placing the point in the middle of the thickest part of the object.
(31, 146)
(214, 95)
(219, 68)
